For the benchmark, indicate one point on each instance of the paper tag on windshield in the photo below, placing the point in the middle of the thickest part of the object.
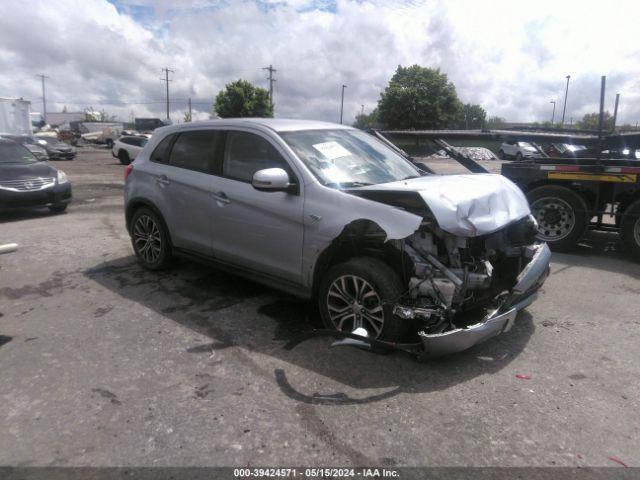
(332, 150)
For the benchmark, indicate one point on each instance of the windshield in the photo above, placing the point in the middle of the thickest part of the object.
(11, 152)
(348, 158)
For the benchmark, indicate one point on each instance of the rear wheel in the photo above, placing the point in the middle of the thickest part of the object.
(123, 156)
(631, 229)
(562, 216)
(360, 293)
(150, 240)
(501, 155)
(519, 157)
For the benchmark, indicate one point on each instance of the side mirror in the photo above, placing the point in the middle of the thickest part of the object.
(270, 179)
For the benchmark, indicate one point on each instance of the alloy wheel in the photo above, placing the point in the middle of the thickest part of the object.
(147, 239)
(353, 303)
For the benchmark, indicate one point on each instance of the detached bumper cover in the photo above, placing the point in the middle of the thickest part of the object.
(500, 320)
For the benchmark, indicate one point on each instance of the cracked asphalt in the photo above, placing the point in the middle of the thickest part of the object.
(106, 364)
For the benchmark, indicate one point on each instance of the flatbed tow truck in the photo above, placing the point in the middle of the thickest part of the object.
(568, 196)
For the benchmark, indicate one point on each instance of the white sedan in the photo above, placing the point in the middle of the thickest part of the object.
(126, 148)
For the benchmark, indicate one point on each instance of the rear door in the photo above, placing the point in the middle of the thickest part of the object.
(185, 183)
(256, 229)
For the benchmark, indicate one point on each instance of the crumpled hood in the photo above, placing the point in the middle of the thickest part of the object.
(465, 205)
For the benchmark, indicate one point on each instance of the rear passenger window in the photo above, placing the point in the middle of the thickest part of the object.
(246, 153)
(194, 150)
(161, 152)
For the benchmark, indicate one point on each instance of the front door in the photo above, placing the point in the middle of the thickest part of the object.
(256, 229)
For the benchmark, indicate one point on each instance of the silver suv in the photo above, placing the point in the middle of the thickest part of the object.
(327, 212)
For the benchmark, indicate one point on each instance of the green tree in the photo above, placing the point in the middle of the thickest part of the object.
(243, 99)
(366, 121)
(186, 117)
(495, 122)
(472, 116)
(590, 121)
(419, 97)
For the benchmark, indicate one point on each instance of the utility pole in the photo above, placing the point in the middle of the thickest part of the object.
(565, 99)
(342, 103)
(553, 115)
(166, 79)
(190, 118)
(271, 80)
(44, 98)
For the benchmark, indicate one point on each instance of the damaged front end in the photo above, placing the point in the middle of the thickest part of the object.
(464, 290)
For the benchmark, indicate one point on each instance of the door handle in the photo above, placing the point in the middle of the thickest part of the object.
(221, 197)
(162, 180)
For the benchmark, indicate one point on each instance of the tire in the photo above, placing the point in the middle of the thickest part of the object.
(519, 157)
(562, 216)
(123, 156)
(501, 155)
(150, 239)
(631, 229)
(378, 285)
(58, 208)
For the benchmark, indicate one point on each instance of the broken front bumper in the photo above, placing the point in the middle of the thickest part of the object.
(500, 320)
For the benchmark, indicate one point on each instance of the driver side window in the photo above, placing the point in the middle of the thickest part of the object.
(246, 153)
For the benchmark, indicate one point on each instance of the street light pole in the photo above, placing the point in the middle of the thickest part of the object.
(565, 99)
(342, 103)
(553, 115)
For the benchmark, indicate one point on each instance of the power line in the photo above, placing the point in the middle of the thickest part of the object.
(166, 79)
(271, 80)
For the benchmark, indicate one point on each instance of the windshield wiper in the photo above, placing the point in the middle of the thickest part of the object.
(349, 184)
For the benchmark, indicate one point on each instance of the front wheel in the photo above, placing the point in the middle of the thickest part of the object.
(501, 155)
(150, 240)
(518, 157)
(631, 229)
(562, 216)
(360, 293)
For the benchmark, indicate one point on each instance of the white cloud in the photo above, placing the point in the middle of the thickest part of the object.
(511, 57)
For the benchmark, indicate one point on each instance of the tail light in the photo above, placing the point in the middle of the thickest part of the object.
(127, 170)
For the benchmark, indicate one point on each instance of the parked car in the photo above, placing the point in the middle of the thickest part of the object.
(325, 211)
(56, 149)
(26, 182)
(30, 143)
(126, 148)
(518, 151)
(568, 150)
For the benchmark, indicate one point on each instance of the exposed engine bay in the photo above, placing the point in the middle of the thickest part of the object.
(454, 281)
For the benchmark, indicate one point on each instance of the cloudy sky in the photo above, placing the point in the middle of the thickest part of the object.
(511, 57)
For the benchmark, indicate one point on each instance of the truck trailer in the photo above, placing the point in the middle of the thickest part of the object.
(15, 116)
